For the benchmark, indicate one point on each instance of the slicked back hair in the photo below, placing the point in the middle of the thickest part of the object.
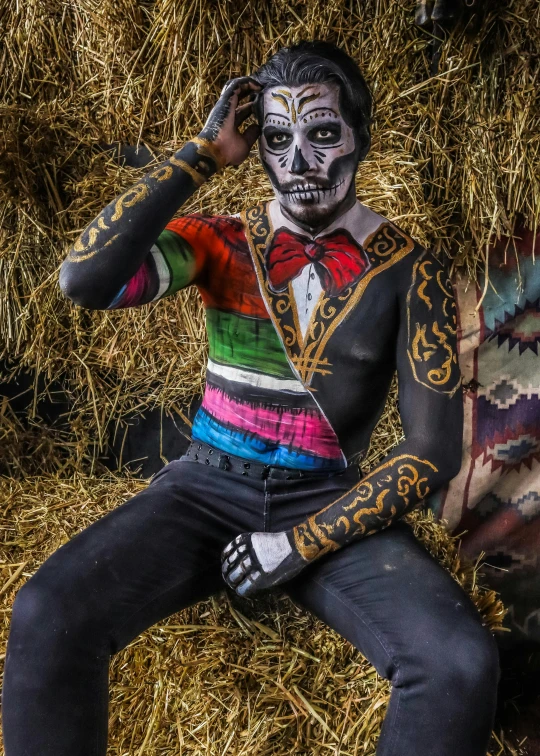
(320, 62)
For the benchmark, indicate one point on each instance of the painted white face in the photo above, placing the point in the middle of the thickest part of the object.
(308, 150)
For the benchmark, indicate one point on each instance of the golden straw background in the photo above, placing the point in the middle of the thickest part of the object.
(454, 162)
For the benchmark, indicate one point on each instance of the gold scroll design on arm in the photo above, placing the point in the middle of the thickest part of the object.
(85, 246)
(432, 328)
(388, 491)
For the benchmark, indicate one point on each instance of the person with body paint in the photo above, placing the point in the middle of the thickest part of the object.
(312, 302)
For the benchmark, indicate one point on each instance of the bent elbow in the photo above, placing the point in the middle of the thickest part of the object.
(445, 454)
(79, 291)
(448, 460)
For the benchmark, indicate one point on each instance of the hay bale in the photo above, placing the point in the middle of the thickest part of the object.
(454, 159)
(226, 675)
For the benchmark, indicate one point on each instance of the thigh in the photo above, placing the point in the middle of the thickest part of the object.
(149, 557)
(391, 599)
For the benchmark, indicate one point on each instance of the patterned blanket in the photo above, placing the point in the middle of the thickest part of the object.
(495, 499)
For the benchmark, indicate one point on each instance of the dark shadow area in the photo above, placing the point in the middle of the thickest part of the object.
(518, 710)
(37, 435)
(127, 154)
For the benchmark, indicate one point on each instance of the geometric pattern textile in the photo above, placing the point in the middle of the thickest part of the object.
(494, 501)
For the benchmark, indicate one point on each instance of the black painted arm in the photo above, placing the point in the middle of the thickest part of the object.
(117, 242)
(431, 411)
(113, 247)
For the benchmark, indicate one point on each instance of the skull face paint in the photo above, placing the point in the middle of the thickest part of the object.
(308, 151)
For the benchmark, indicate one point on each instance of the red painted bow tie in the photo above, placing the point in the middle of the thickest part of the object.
(339, 260)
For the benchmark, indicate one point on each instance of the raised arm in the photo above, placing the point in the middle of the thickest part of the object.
(115, 248)
(431, 411)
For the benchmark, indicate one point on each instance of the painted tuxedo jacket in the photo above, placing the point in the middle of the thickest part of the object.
(305, 333)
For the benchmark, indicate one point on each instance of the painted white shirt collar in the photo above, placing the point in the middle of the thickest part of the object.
(359, 221)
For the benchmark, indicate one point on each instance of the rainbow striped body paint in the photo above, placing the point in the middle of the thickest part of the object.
(254, 404)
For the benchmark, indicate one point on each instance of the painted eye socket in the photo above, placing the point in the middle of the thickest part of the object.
(277, 140)
(323, 135)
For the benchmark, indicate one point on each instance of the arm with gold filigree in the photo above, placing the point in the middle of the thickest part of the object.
(432, 415)
(113, 247)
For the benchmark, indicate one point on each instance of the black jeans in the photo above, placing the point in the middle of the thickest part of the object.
(160, 552)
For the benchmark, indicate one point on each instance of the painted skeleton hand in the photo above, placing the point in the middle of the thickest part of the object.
(227, 115)
(254, 561)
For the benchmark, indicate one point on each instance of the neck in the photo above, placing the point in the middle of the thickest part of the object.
(346, 204)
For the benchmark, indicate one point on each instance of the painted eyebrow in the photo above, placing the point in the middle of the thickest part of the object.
(304, 100)
(306, 89)
(280, 97)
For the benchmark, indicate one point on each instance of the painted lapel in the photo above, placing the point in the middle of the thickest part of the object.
(383, 248)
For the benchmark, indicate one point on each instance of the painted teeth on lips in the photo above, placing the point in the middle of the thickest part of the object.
(312, 192)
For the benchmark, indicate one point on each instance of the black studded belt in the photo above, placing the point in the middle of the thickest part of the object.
(206, 455)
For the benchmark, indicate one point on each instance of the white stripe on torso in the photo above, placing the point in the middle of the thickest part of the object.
(259, 380)
(162, 271)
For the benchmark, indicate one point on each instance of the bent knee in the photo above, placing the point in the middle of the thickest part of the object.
(35, 606)
(466, 662)
(475, 660)
(47, 610)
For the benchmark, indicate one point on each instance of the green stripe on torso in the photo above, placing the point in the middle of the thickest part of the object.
(180, 259)
(251, 343)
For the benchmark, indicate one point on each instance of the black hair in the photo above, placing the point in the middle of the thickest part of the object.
(317, 62)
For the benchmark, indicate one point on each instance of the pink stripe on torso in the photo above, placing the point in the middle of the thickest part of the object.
(305, 430)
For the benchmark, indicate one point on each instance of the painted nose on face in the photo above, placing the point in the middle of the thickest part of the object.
(299, 164)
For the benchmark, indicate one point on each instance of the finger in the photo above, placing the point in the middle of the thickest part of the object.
(237, 575)
(247, 84)
(244, 566)
(245, 589)
(231, 554)
(251, 134)
(233, 545)
(246, 87)
(242, 113)
(249, 585)
(227, 550)
(243, 85)
(240, 571)
(233, 559)
(228, 582)
(230, 562)
(232, 105)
